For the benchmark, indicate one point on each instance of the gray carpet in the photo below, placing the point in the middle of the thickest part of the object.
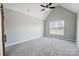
(43, 47)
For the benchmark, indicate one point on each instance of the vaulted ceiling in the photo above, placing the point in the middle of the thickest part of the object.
(34, 9)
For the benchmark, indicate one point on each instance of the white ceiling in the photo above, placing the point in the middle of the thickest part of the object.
(74, 7)
(35, 8)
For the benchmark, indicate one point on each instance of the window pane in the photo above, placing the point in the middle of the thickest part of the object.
(56, 27)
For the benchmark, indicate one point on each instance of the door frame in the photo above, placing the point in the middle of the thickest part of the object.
(2, 25)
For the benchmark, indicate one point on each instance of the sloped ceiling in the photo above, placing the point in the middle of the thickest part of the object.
(74, 7)
(34, 9)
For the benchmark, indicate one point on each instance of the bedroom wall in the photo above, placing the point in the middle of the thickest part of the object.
(78, 31)
(20, 27)
(1, 53)
(60, 13)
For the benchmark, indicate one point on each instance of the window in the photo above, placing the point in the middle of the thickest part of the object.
(56, 27)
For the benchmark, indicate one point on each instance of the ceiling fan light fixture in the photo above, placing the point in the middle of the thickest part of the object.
(47, 9)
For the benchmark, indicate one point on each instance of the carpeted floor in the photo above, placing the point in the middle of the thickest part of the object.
(43, 47)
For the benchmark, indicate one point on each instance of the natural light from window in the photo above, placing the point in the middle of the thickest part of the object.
(56, 27)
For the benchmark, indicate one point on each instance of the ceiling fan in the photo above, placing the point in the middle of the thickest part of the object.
(47, 7)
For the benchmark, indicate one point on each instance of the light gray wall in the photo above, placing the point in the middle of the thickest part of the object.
(1, 53)
(69, 17)
(20, 27)
(78, 31)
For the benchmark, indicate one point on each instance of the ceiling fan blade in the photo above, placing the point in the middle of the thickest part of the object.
(50, 4)
(51, 7)
(42, 5)
(42, 9)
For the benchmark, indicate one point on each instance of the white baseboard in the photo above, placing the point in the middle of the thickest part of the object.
(20, 42)
(16, 43)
